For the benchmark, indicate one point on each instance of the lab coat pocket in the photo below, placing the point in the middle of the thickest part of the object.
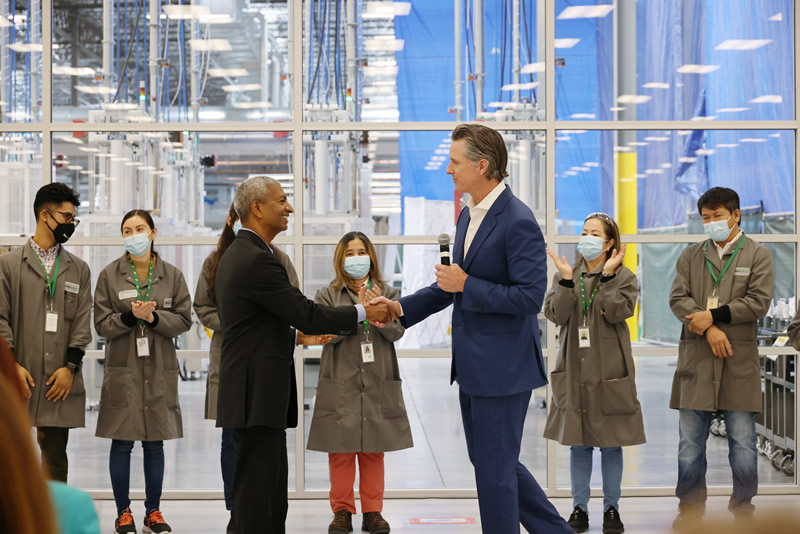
(618, 396)
(392, 404)
(116, 381)
(330, 396)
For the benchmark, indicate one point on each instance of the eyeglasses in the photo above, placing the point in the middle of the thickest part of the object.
(68, 217)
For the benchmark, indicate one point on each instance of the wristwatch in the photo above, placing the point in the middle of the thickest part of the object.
(73, 367)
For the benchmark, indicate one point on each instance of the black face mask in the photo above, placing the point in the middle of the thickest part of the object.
(62, 232)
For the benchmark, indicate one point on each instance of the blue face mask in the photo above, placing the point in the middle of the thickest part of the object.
(717, 230)
(590, 247)
(138, 245)
(236, 227)
(357, 266)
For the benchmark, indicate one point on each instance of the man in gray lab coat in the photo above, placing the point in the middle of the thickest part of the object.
(45, 309)
(722, 286)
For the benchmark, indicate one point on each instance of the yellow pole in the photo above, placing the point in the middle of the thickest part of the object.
(628, 215)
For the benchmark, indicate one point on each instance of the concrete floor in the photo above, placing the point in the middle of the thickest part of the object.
(438, 459)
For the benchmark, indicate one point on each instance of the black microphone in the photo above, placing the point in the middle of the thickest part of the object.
(444, 248)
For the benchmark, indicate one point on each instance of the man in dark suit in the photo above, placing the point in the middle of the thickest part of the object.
(496, 287)
(258, 308)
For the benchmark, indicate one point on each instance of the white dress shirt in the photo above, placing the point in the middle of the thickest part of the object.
(729, 246)
(478, 212)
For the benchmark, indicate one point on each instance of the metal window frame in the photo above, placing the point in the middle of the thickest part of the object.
(297, 127)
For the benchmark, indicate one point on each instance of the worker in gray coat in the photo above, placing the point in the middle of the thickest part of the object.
(141, 304)
(205, 306)
(722, 286)
(359, 411)
(594, 401)
(45, 316)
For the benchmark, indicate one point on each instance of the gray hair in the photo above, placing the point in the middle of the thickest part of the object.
(252, 189)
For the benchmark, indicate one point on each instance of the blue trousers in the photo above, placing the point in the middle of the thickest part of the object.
(119, 463)
(694, 428)
(507, 493)
(580, 470)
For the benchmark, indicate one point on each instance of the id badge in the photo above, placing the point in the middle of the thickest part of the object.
(367, 354)
(51, 322)
(712, 303)
(167, 303)
(583, 338)
(142, 347)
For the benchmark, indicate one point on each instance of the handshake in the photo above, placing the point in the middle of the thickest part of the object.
(380, 310)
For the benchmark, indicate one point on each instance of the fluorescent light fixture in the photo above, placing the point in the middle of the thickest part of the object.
(140, 118)
(726, 145)
(582, 116)
(87, 172)
(731, 110)
(252, 105)
(617, 108)
(384, 43)
(133, 164)
(742, 44)
(666, 165)
(573, 131)
(586, 12)
(90, 149)
(591, 164)
(519, 86)
(375, 72)
(211, 115)
(654, 138)
(233, 73)
(654, 171)
(633, 99)
(684, 132)
(775, 135)
(385, 10)
(68, 139)
(777, 17)
(697, 69)
(60, 70)
(74, 167)
(703, 118)
(531, 68)
(584, 169)
(767, 99)
(704, 152)
(26, 47)
(656, 85)
(687, 160)
(120, 106)
(637, 143)
(566, 43)
(95, 89)
(563, 138)
(571, 173)
(210, 45)
(623, 149)
(441, 151)
(752, 140)
(241, 88)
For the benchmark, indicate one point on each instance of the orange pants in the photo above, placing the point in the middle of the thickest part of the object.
(342, 468)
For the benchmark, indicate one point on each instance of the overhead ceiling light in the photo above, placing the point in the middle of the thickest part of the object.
(120, 106)
(87, 172)
(211, 115)
(563, 138)
(572, 131)
(656, 85)
(704, 152)
(774, 135)
(666, 165)
(697, 69)
(384, 43)
(241, 88)
(637, 143)
(90, 149)
(60, 70)
(634, 99)
(767, 99)
(74, 167)
(654, 171)
(252, 105)
(687, 160)
(617, 108)
(586, 12)
(703, 118)
(26, 47)
(591, 164)
(566, 43)
(210, 45)
(68, 139)
(233, 73)
(726, 145)
(731, 110)
(742, 44)
(385, 10)
(752, 140)
(653, 138)
(582, 116)
(532, 68)
(684, 132)
(374, 72)
(519, 86)
(623, 149)
(777, 17)
(95, 89)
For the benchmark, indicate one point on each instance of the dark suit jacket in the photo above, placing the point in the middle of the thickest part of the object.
(257, 308)
(496, 347)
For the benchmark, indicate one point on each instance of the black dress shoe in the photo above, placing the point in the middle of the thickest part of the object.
(612, 524)
(578, 520)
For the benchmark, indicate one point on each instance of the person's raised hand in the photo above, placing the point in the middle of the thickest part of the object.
(561, 264)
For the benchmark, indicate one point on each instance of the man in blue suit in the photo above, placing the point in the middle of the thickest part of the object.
(496, 285)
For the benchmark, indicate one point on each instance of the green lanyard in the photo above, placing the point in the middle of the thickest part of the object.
(366, 323)
(51, 283)
(718, 279)
(138, 285)
(587, 305)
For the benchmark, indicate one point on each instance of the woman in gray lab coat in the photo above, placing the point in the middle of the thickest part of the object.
(359, 410)
(141, 304)
(205, 305)
(594, 387)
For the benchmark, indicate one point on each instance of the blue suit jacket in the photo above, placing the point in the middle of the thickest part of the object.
(496, 347)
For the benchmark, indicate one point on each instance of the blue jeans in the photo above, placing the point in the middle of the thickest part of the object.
(742, 455)
(119, 461)
(227, 458)
(580, 470)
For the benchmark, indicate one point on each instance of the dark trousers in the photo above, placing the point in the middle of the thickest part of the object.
(507, 493)
(119, 463)
(260, 480)
(53, 443)
(227, 458)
